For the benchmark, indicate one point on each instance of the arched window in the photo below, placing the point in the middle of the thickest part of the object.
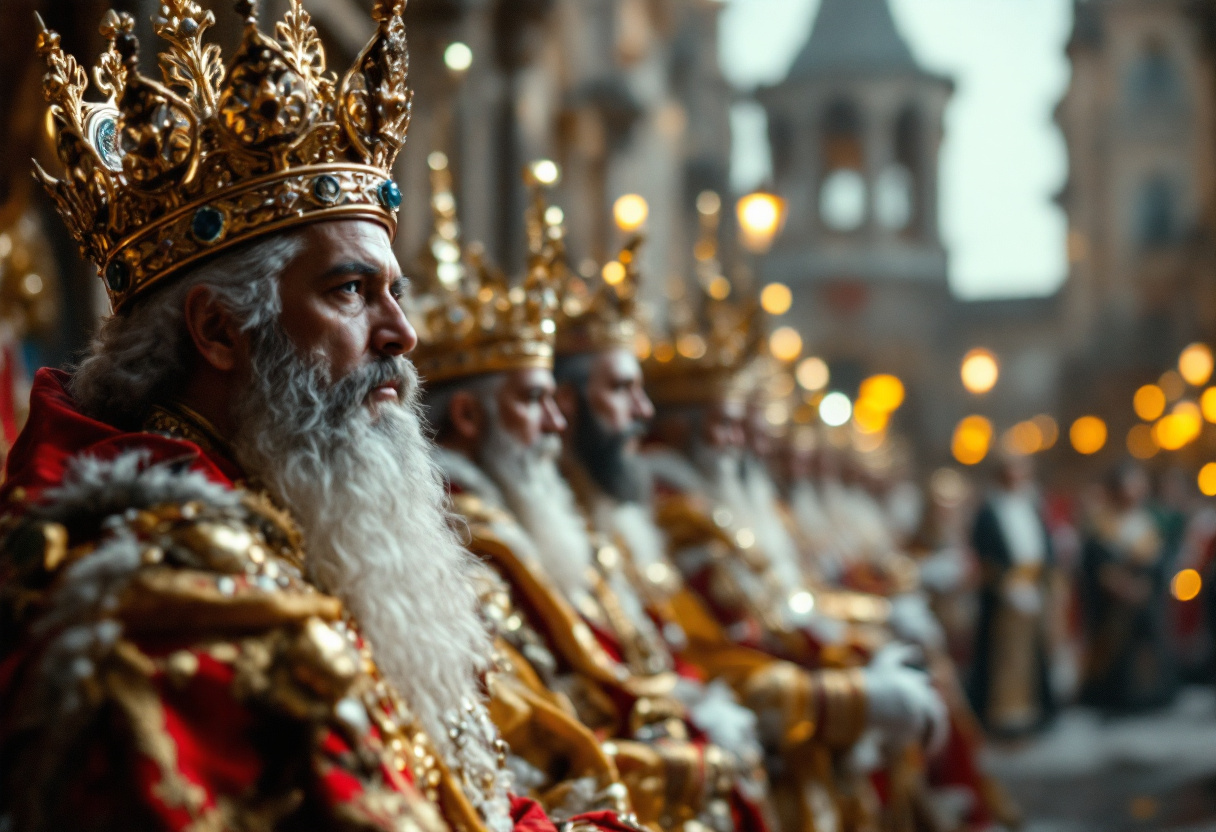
(842, 190)
(896, 193)
(1156, 213)
(1152, 80)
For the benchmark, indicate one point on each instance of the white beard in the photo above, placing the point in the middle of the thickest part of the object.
(771, 534)
(543, 503)
(635, 524)
(372, 509)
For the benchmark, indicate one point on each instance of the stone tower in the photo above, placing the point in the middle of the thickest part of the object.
(855, 130)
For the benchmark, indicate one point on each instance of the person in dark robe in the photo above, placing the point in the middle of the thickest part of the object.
(1010, 685)
(1124, 578)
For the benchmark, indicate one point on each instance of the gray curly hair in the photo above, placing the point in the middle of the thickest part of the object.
(141, 357)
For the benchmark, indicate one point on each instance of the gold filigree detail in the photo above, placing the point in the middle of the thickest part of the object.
(215, 157)
(471, 320)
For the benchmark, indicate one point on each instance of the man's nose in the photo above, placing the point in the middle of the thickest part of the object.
(392, 333)
(552, 420)
(643, 408)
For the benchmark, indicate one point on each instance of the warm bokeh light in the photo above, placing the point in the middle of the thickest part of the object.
(1207, 479)
(1023, 439)
(1186, 585)
(1178, 428)
(1141, 443)
(760, 215)
(1088, 435)
(776, 298)
(641, 346)
(869, 417)
(972, 439)
(630, 212)
(1049, 429)
(691, 345)
(1195, 364)
(835, 409)
(458, 57)
(719, 288)
(545, 171)
(777, 414)
(980, 371)
(884, 392)
(813, 373)
(613, 272)
(785, 343)
(1149, 402)
(1207, 404)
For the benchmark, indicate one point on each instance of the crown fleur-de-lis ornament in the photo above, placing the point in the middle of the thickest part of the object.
(164, 174)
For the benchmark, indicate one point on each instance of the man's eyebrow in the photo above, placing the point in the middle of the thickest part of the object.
(350, 267)
(399, 284)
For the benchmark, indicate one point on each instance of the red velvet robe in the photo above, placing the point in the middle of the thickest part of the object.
(221, 745)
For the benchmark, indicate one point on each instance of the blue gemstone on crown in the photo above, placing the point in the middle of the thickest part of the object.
(118, 276)
(390, 195)
(207, 225)
(327, 188)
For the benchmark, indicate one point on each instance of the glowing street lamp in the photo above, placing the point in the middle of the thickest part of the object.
(545, 171)
(760, 217)
(458, 57)
(630, 212)
(979, 371)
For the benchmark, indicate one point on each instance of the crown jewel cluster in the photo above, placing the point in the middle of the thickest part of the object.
(164, 173)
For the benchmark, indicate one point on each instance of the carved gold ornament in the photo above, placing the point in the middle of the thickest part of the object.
(471, 319)
(713, 335)
(163, 174)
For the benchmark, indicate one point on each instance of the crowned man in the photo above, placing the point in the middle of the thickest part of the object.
(897, 609)
(698, 381)
(801, 713)
(487, 357)
(232, 597)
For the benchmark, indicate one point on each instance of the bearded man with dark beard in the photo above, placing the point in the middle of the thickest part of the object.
(230, 592)
(804, 715)
(687, 754)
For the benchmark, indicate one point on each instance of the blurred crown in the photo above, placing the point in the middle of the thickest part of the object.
(604, 315)
(713, 333)
(471, 320)
(162, 175)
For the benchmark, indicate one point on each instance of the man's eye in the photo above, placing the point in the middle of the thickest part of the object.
(350, 287)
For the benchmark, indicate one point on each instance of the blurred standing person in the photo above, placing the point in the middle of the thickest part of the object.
(1124, 576)
(1010, 679)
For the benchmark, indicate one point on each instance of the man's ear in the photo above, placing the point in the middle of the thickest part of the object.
(466, 416)
(566, 397)
(213, 329)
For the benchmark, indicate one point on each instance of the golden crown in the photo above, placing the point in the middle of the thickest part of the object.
(713, 336)
(471, 320)
(162, 175)
(603, 317)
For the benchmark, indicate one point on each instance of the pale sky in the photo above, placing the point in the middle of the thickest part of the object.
(1003, 157)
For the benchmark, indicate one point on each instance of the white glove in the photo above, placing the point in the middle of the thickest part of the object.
(714, 709)
(913, 621)
(901, 702)
(1024, 597)
(944, 570)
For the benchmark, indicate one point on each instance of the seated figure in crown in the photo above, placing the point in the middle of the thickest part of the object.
(580, 626)
(231, 593)
(699, 382)
(804, 715)
(886, 579)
